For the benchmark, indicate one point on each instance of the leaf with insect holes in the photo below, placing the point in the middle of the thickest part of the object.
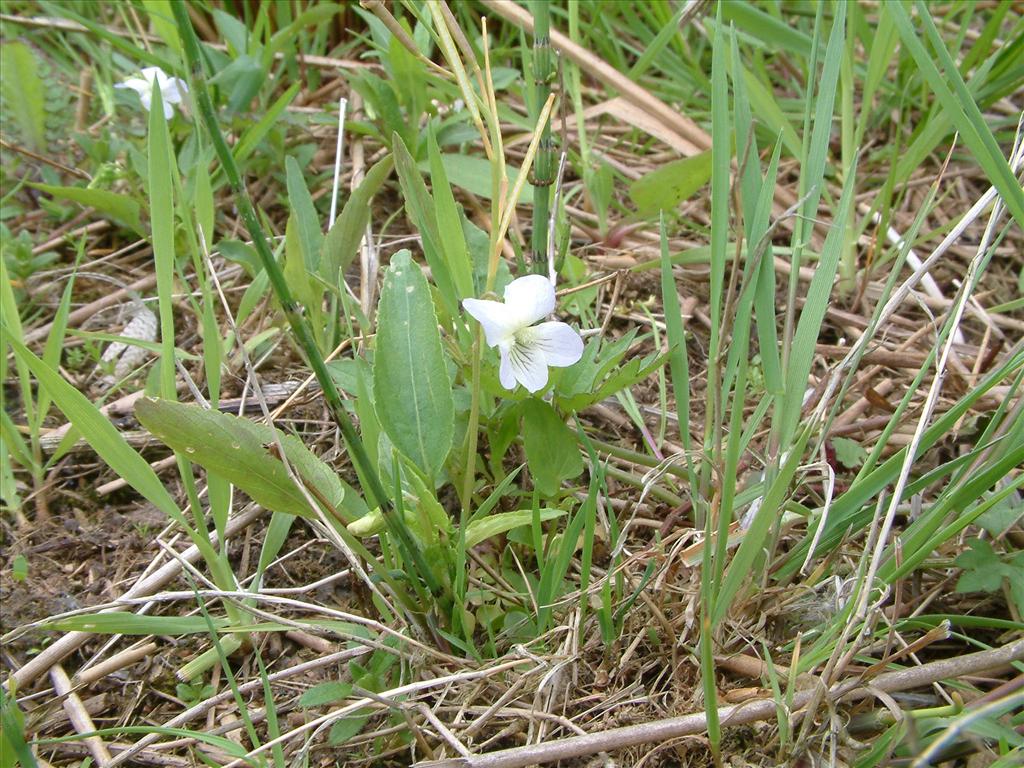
(239, 450)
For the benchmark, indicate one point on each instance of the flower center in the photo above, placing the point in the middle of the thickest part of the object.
(523, 336)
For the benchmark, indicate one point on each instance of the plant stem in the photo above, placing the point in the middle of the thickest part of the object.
(544, 168)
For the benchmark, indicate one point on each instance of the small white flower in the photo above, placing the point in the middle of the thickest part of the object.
(171, 88)
(526, 349)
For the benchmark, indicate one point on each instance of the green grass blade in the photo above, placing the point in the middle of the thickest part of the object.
(252, 136)
(453, 244)
(756, 535)
(100, 433)
(813, 313)
(161, 215)
(956, 100)
(54, 347)
(721, 154)
(812, 180)
(777, 34)
(678, 360)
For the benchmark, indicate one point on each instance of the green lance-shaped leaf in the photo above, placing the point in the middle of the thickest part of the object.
(240, 451)
(421, 209)
(476, 532)
(124, 209)
(342, 242)
(453, 244)
(133, 624)
(502, 522)
(310, 237)
(410, 381)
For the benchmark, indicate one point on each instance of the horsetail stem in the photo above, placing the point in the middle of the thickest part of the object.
(544, 166)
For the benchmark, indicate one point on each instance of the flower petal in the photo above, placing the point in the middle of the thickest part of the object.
(559, 344)
(172, 90)
(137, 84)
(526, 364)
(508, 381)
(529, 299)
(494, 316)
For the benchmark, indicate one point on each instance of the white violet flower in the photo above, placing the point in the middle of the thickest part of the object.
(526, 349)
(171, 88)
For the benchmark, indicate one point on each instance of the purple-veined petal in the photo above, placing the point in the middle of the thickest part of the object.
(508, 381)
(529, 299)
(527, 366)
(494, 316)
(559, 344)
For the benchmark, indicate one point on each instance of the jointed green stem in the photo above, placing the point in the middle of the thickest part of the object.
(544, 168)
